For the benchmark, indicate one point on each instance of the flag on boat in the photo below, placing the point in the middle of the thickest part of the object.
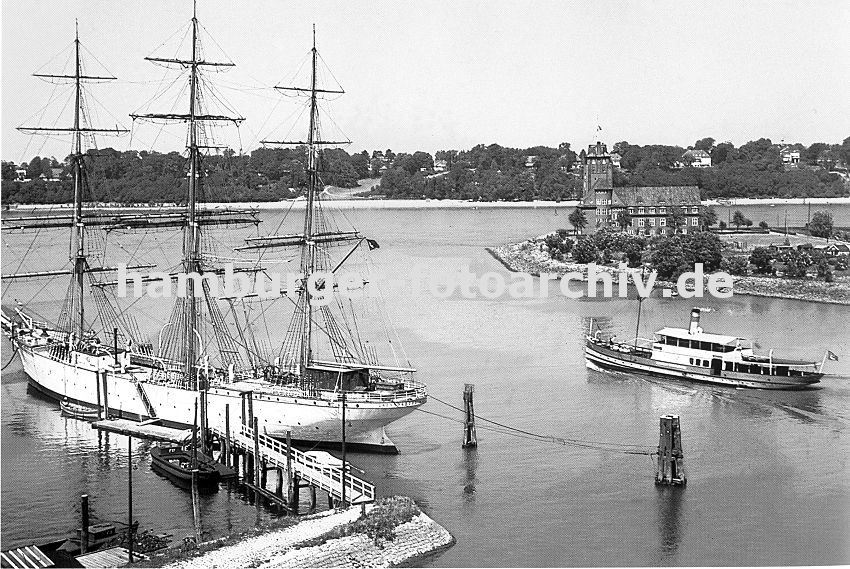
(831, 356)
(372, 244)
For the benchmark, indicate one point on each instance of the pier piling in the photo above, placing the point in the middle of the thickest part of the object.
(227, 449)
(84, 534)
(671, 467)
(469, 437)
(257, 460)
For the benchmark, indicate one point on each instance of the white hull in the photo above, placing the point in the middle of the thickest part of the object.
(307, 419)
(597, 359)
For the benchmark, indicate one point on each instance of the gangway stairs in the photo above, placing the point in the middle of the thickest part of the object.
(306, 467)
(140, 388)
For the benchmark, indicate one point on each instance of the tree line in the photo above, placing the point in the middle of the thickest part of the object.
(266, 174)
(486, 173)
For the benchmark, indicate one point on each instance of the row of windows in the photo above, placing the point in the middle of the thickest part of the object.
(696, 344)
(748, 368)
(649, 230)
(661, 209)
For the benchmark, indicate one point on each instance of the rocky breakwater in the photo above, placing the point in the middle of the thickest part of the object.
(532, 257)
(392, 532)
(836, 292)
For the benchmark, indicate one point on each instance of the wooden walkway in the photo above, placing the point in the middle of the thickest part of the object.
(319, 474)
(144, 430)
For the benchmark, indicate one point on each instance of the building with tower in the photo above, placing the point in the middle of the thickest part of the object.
(639, 210)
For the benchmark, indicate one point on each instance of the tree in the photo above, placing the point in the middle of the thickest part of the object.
(676, 218)
(702, 247)
(585, 251)
(821, 224)
(736, 265)
(706, 144)
(578, 220)
(624, 220)
(762, 259)
(708, 217)
(8, 171)
(796, 263)
(633, 251)
(668, 257)
(738, 219)
(763, 224)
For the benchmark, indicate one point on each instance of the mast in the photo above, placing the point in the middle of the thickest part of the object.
(308, 258)
(77, 252)
(190, 247)
(308, 238)
(78, 255)
(191, 229)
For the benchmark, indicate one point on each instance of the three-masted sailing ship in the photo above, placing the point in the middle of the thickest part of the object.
(200, 357)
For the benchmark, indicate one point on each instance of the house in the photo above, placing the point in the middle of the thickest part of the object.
(836, 249)
(21, 175)
(530, 161)
(697, 158)
(615, 159)
(789, 155)
(440, 165)
(642, 210)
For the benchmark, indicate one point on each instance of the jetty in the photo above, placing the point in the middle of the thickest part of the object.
(252, 455)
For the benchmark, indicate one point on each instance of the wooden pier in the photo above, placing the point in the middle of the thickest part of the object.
(295, 469)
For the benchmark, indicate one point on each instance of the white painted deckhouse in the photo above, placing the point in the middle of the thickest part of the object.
(692, 354)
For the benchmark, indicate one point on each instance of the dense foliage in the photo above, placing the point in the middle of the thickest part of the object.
(152, 177)
(489, 173)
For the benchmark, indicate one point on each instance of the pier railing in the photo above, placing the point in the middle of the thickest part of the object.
(308, 468)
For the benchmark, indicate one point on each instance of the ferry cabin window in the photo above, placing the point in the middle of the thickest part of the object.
(728, 366)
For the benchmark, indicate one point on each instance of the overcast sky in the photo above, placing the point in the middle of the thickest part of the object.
(429, 75)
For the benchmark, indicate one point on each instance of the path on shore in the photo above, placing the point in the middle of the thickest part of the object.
(255, 551)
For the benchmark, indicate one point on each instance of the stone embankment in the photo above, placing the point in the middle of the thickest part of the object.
(291, 547)
(413, 540)
(530, 257)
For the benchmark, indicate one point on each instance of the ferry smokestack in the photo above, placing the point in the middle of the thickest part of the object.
(694, 327)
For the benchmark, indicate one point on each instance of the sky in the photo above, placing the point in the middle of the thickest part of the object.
(431, 75)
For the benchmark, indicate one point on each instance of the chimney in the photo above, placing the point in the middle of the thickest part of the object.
(694, 327)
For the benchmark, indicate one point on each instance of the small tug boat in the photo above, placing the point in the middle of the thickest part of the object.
(691, 354)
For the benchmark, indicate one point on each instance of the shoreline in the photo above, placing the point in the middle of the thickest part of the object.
(364, 203)
(526, 257)
(315, 541)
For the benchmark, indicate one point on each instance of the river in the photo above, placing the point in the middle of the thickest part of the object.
(768, 477)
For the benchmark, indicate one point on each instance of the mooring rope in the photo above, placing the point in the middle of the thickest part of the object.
(623, 448)
(14, 351)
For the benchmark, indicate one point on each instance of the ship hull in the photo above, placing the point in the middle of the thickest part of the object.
(316, 422)
(610, 359)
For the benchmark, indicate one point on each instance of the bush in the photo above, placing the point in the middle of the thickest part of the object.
(722, 225)
(762, 259)
(763, 224)
(737, 265)
(558, 244)
(380, 523)
(585, 251)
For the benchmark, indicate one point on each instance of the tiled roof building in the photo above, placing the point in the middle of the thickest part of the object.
(647, 207)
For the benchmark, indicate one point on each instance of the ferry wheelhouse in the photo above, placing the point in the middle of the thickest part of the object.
(692, 354)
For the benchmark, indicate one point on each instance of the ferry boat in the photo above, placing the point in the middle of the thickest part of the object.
(692, 354)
